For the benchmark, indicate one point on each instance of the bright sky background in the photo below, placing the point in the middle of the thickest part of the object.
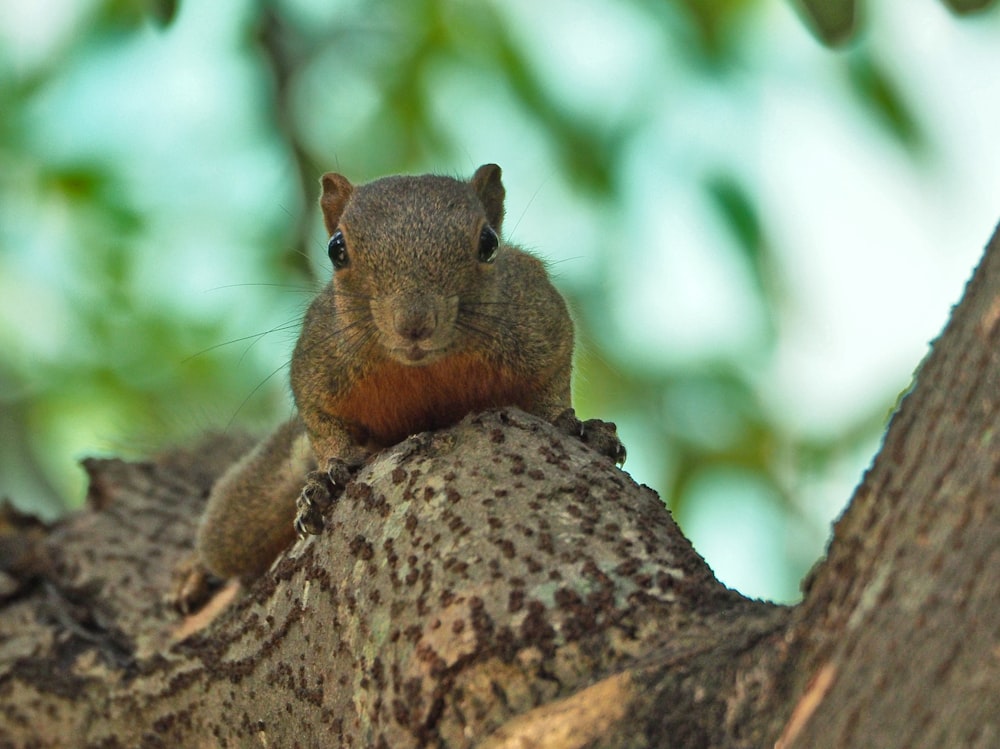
(875, 247)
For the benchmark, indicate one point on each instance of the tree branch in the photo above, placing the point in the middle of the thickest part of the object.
(903, 612)
(499, 582)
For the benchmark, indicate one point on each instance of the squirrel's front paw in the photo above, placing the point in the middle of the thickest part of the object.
(603, 437)
(600, 435)
(318, 495)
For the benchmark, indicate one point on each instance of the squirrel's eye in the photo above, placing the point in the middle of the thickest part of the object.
(337, 250)
(488, 244)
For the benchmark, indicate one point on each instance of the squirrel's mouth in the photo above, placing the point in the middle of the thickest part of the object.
(415, 355)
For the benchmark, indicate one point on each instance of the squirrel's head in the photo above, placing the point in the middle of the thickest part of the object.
(416, 256)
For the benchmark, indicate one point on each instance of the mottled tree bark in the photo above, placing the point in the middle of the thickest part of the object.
(500, 585)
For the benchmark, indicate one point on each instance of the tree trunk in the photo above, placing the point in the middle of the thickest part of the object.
(500, 585)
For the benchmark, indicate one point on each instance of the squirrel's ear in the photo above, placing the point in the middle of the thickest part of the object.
(486, 182)
(336, 190)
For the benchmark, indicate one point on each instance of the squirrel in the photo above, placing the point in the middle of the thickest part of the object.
(428, 317)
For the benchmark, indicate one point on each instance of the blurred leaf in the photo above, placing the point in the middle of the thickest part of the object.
(815, 453)
(832, 21)
(877, 89)
(79, 182)
(588, 157)
(120, 17)
(740, 214)
(128, 15)
(968, 6)
(97, 191)
(738, 209)
(715, 394)
(716, 23)
(19, 463)
(163, 12)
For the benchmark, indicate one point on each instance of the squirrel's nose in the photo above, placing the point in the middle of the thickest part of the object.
(414, 322)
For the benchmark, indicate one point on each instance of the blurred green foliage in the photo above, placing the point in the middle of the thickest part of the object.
(836, 21)
(115, 350)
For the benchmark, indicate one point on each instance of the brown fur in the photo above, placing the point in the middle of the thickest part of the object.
(395, 401)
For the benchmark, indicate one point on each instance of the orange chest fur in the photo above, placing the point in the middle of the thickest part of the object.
(392, 401)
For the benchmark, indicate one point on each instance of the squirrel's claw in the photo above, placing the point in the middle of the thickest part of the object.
(311, 505)
(308, 521)
(602, 436)
(318, 495)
